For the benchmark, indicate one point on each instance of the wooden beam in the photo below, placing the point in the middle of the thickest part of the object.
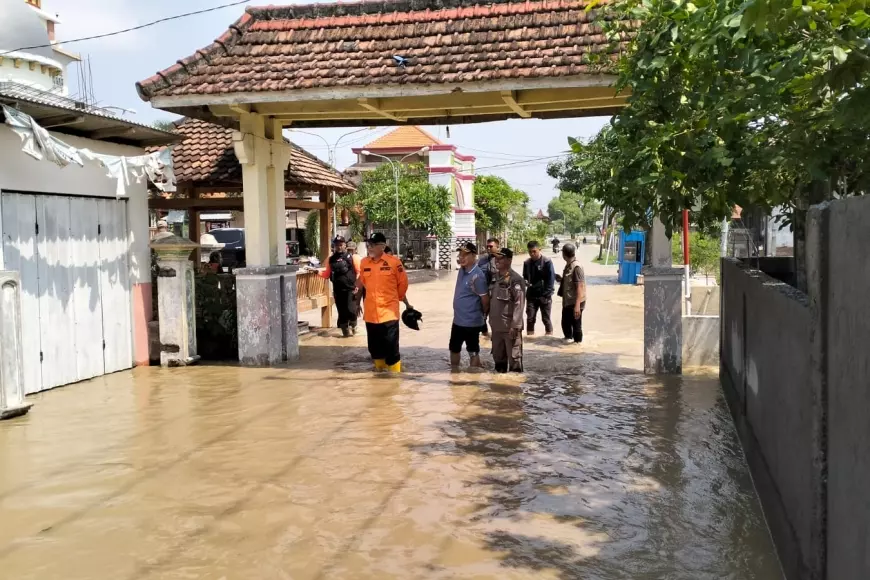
(373, 106)
(510, 99)
(225, 203)
(591, 104)
(536, 96)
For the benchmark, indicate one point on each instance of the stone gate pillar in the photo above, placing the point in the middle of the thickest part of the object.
(662, 308)
(11, 355)
(176, 300)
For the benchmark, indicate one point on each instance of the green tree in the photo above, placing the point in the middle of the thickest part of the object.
(422, 206)
(575, 211)
(494, 200)
(756, 103)
(164, 125)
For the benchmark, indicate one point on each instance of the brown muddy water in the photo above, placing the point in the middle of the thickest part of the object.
(583, 468)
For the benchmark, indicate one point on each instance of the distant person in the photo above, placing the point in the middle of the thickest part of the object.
(357, 261)
(556, 243)
(385, 282)
(487, 264)
(507, 297)
(540, 280)
(572, 289)
(470, 305)
(162, 230)
(584, 240)
(342, 272)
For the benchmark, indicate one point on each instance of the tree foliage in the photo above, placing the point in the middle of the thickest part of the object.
(756, 103)
(422, 206)
(494, 200)
(575, 211)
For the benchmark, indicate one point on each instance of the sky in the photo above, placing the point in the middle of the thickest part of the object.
(118, 62)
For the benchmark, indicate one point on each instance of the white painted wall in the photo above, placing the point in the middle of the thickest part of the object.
(20, 172)
(34, 78)
(440, 158)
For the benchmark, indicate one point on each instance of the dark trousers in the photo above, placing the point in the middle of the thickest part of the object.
(467, 335)
(346, 304)
(384, 341)
(545, 305)
(572, 327)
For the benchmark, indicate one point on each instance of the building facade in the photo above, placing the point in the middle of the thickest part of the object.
(78, 242)
(446, 167)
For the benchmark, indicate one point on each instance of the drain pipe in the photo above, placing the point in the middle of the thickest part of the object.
(686, 267)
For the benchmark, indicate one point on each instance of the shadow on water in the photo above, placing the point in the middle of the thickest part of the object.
(597, 473)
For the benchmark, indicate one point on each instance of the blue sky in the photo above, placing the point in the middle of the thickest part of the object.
(118, 62)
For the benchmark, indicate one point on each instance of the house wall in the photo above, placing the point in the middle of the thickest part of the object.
(20, 172)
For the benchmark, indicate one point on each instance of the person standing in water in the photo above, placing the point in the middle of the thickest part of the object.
(572, 289)
(488, 265)
(385, 282)
(341, 270)
(470, 306)
(507, 297)
(541, 282)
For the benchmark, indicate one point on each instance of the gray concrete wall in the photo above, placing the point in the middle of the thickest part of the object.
(765, 365)
(844, 285)
(796, 372)
(700, 341)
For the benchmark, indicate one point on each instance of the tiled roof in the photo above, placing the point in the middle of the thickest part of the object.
(286, 48)
(410, 137)
(206, 156)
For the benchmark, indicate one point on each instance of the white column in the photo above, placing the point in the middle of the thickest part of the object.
(12, 403)
(660, 247)
(279, 159)
(254, 153)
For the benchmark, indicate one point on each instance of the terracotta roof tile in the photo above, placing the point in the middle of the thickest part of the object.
(285, 48)
(206, 157)
(410, 137)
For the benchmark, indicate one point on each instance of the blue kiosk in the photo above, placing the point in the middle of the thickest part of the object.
(632, 249)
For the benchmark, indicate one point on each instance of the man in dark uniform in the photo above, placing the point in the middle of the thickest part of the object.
(507, 297)
(541, 283)
(488, 265)
(342, 272)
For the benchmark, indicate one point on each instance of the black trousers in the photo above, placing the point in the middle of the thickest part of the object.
(346, 304)
(467, 335)
(384, 341)
(572, 327)
(545, 305)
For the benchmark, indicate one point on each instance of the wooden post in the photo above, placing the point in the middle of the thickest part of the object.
(194, 233)
(326, 311)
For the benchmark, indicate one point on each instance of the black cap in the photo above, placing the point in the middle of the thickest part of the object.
(377, 238)
(339, 240)
(467, 247)
(505, 253)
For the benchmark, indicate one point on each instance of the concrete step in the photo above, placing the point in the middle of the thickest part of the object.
(303, 328)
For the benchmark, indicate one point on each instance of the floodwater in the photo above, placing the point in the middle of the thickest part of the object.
(582, 468)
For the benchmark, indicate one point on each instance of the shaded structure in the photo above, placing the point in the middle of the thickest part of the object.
(210, 178)
(382, 63)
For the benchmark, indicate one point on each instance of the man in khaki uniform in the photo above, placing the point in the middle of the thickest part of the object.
(506, 311)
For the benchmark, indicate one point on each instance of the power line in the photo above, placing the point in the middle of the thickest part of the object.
(517, 163)
(134, 28)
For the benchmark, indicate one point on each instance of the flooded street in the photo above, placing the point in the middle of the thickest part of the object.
(583, 468)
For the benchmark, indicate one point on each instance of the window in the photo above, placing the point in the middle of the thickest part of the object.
(57, 80)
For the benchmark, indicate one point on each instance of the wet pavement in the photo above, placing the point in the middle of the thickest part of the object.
(581, 468)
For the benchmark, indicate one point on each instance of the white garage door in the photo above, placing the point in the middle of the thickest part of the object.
(72, 253)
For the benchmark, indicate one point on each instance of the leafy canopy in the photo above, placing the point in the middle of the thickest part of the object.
(422, 205)
(494, 200)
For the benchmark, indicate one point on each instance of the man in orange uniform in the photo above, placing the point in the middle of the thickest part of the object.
(385, 282)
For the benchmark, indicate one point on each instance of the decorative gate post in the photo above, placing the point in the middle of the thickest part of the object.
(11, 356)
(176, 300)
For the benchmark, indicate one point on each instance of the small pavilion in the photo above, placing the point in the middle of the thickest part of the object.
(210, 178)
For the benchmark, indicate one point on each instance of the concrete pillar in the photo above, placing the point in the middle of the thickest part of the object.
(662, 321)
(268, 322)
(266, 288)
(176, 300)
(662, 308)
(11, 355)
(254, 152)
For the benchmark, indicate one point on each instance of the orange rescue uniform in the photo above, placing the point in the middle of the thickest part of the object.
(386, 283)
